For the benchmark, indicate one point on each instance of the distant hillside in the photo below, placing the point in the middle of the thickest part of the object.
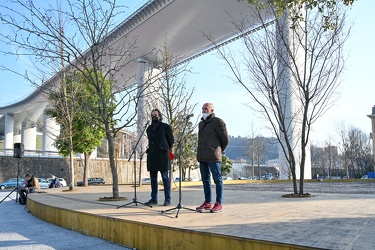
(239, 148)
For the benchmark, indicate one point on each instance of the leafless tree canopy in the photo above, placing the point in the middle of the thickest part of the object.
(350, 156)
(175, 99)
(291, 71)
(62, 38)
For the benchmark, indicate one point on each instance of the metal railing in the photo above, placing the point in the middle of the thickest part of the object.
(31, 153)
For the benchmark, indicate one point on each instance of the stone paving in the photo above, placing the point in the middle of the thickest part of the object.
(21, 230)
(340, 215)
(332, 187)
(325, 221)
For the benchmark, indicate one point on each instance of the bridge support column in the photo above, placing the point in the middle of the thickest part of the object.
(8, 131)
(17, 136)
(28, 137)
(142, 99)
(148, 80)
(372, 117)
(51, 130)
(289, 95)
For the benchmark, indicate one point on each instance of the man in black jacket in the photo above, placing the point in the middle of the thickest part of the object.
(160, 141)
(212, 141)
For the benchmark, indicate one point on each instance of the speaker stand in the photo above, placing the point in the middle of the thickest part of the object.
(8, 195)
(17, 187)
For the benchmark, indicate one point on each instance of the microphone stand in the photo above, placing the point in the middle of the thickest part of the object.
(17, 185)
(179, 150)
(135, 201)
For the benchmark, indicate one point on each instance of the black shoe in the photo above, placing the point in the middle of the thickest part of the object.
(151, 202)
(167, 203)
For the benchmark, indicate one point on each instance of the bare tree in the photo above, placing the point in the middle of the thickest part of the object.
(331, 157)
(252, 152)
(318, 160)
(259, 145)
(342, 130)
(175, 98)
(293, 69)
(355, 151)
(257, 152)
(76, 135)
(77, 37)
(350, 157)
(64, 105)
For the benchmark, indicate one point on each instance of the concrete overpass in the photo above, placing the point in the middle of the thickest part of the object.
(150, 27)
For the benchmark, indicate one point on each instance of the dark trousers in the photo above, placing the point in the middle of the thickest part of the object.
(154, 185)
(23, 193)
(206, 169)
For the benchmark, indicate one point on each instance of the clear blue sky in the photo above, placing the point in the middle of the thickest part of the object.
(211, 82)
(357, 88)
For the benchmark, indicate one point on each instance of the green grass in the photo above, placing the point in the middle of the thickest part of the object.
(38, 142)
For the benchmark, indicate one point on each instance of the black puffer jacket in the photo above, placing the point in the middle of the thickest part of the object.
(160, 141)
(212, 139)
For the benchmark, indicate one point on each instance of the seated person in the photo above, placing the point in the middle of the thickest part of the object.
(55, 183)
(31, 186)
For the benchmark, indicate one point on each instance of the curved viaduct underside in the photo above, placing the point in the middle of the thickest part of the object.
(179, 22)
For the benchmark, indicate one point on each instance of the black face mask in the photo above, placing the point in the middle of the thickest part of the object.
(155, 119)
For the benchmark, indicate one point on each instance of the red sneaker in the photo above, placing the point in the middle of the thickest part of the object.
(205, 205)
(217, 208)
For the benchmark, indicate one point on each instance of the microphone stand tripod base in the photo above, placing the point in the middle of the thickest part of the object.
(179, 149)
(135, 202)
(178, 207)
(16, 189)
(8, 196)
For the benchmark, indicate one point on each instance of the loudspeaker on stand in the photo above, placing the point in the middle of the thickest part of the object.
(18, 150)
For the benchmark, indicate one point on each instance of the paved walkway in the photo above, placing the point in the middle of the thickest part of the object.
(325, 221)
(21, 230)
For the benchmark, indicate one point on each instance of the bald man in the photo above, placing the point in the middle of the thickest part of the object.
(212, 141)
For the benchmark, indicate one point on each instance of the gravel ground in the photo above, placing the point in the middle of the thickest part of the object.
(309, 187)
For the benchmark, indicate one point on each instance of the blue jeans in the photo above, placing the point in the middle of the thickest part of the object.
(206, 169)
(154, 185)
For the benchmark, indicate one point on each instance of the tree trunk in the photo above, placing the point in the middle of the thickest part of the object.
(71, 185)
(112, 163)
(86, 169)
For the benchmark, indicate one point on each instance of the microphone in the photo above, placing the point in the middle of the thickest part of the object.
(189, 116)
